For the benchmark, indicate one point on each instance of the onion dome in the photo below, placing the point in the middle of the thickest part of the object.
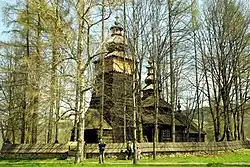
(116, 42)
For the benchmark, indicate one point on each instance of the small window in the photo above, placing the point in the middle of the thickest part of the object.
(166, 134)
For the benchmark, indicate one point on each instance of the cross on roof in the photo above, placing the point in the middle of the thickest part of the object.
(116, 20)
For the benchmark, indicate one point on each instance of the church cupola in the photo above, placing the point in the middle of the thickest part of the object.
(117, 28)
(117, 41)
(116, 59)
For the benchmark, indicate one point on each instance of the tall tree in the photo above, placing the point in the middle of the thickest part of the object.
(221, 46)
(172, 78)
(194, 28)
(134, 83)
(54, 68)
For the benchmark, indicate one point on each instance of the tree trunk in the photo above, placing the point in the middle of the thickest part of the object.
(36, 82)
(196, 68)
(103, 75)
(172, 78)
(134, 54)
(58, 98)
(24, 100)
(80, 82)
(53, 88)
(54, 75)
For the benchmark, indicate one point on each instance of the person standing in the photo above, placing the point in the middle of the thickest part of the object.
(129, 149)
(138, 151)
(101, 146)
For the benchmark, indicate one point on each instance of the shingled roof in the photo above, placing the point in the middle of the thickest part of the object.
(149, 102)
(183, 118)
(164, 119)
(92, 120)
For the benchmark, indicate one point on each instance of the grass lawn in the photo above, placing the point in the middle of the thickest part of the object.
(109, 165)
(219, 157)
(187, 160)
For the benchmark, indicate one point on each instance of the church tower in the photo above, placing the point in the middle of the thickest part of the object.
(148, 90)
(117, 82)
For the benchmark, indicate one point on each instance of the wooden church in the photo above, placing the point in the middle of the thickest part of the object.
(116, 93)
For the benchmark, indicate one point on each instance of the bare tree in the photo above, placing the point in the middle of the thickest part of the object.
(221, 46)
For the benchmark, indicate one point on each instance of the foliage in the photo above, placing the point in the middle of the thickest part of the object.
(46, 66)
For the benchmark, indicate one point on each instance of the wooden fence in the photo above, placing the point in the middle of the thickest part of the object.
(34, 151)
(68, 149)
(174, 147)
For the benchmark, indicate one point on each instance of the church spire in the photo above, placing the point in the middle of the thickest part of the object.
(148, 90)
(150, 75)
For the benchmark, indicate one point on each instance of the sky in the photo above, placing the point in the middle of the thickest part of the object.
(3, 36)
(3, 26)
